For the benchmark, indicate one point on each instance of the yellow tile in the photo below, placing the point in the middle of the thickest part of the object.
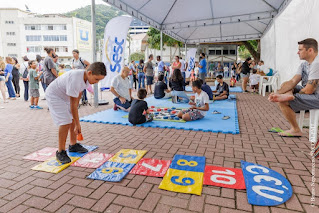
(128, 156)
(53, 166)
(182, 181)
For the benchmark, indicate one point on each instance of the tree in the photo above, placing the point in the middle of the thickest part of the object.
(154, 40)
(250, 49)
(137, 56)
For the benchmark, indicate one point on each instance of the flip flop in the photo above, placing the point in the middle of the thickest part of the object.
(288, 135)
(275, 130)
(216, 112)
(225, 117)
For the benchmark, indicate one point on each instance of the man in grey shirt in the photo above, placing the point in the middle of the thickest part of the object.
(294, 98)
(50, 73)
(148, 69)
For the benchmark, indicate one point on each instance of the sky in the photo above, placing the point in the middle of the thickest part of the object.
(47, 6)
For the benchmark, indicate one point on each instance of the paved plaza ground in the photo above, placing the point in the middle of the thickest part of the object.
(24, 131)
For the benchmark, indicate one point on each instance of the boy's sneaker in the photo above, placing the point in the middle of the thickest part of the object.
(115, 108)
(63, 157)
(77, 148)
(31, 107)
(37, 107)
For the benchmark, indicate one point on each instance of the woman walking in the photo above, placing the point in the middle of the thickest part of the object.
(8, 76)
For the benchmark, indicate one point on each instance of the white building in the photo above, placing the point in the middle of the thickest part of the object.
(23, 33)
(138, 27)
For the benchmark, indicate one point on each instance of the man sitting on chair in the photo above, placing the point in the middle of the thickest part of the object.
(294, 98)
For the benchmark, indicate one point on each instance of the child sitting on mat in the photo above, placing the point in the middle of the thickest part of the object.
(233, 81)
(222, 89)
(200, 104)
(63, 96)
(161, 90)
(139, 112)
(206, 88)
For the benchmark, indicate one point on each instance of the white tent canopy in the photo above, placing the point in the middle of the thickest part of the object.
(204, 21)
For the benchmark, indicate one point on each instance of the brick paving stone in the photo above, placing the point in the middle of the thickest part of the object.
(161, 208)
(104, 202)
(81, 191)
(127, 201)
(82, 202)
(60, 191)
(37, 202)
(242, 203)
(59, 202)
(113, 208)
(39, 191)
(66, 209)
(18, 192)
(20, 208)
(226, 202)
(197, 203)
(122, 190)
(100, 191)
(143, 190)
(210, 208)
(150, 202)
(174, 201)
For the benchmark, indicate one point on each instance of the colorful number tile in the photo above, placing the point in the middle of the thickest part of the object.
(182, 181)
(188, 163)
(111, 171)
(265, 187)
(76, 154)
(128, 156)
(42, 155)
(151, 167)
(92, 160)
(224, 177)
(53, 166)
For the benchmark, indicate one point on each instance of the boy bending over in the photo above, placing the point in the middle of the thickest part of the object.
(63, 96)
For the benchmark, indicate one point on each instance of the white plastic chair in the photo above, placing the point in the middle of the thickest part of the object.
(313, 123)
(272, 84)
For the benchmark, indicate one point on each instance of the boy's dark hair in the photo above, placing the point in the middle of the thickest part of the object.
(141, 61)
(198, 84)
(97, 68)
(76, 51)
(158, 57)
(248, 59)
(254, 71)
(219, 77)
(203, 54)
(233, 76)
(150, 56)
(141, 93)
(201, 80)
(30, 62)
(160, 77)
(310, 43)
(177, 75)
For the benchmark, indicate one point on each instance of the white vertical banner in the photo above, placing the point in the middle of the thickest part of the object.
(113, 49)
(190, 57)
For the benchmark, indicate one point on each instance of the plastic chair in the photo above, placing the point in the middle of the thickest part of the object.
(313, 124)
(272, 84)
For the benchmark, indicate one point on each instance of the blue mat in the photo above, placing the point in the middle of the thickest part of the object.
(210, 123)
(231, 89)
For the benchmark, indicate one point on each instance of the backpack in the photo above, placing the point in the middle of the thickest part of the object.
(84, 65)
(25, 72)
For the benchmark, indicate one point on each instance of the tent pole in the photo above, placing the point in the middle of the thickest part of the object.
(162, 45)
(96, 86)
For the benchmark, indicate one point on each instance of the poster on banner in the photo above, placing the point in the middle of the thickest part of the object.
(265, 187)
(115, 34)
(77, 154)
(190, 58)
(111, 171)
(92, 160)
(185, 175)
(151, 167)
(128, 156)
(42, 155)
(54, 166)
(224, 177)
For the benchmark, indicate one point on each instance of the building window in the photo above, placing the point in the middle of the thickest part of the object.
(50, 27)
(11, 44)
(32, 27)
(232, 52)
(11, 33)
(9, 22)
(33, 49)
(33, 38)
(12, 55)
(225, 52)
(55, 38)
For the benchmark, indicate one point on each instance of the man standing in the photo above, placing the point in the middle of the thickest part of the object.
(183, 70)
(161, 66)
(148, 69)
(202, 67)
(122, 90)
(294, 98)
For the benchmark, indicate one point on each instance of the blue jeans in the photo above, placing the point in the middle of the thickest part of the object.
(44, 86)
(10, 88)
(226, 74)
(131, 80)
(181, 94)
(126, 105)
(184, 76)
(26, 90)
(141, 80)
